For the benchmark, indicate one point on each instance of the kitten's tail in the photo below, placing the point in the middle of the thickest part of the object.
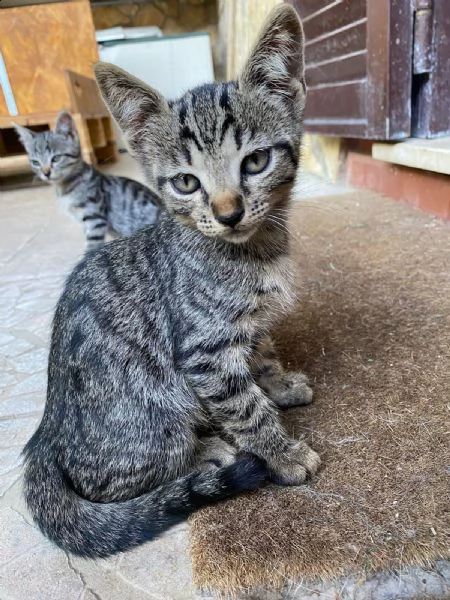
(94, 529)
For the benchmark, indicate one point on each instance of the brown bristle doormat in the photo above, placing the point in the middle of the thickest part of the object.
(372, 330)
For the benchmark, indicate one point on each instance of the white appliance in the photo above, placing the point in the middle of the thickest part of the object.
(172, 64)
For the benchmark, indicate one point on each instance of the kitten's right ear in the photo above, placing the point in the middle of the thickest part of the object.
(65, 125)
(26, 136)
(130, 101)
(276, 64)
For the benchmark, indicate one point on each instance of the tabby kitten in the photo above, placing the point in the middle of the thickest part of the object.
(163, 384)
(102, 203)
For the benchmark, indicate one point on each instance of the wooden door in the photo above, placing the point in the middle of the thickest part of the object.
(365, 67)
(431, 69)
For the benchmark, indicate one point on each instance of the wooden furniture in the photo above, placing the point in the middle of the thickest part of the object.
(48, 51)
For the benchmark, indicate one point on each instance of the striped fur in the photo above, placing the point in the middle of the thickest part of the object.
(102, 203)
(163, 385)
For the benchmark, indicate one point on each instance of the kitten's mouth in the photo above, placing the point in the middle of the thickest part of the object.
(237, 236)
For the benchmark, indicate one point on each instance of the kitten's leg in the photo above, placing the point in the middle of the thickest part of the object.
(246, 415)
(95, 228)
(285, 388)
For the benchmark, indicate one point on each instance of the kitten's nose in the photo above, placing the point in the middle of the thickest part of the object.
(45, 170)
(228, 208)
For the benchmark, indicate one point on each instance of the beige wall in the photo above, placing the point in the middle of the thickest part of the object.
(239, 23)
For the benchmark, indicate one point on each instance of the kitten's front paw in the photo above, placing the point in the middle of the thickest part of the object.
(294, 468)
(291, 389)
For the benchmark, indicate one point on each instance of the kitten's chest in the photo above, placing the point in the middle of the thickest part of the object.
(271, 292)
(71, 203)
(255, 297)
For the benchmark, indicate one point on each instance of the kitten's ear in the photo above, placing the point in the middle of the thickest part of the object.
(26, 136)
(65, 125)
(276, 63)
(130, 101)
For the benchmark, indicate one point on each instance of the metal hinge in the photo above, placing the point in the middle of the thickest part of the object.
(423, 36)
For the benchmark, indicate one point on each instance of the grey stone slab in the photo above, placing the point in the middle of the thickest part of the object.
(32, 362)
(31, 384)
(14, 406)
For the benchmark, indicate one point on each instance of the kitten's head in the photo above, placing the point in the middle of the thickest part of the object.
(54, 155)
(223, 157)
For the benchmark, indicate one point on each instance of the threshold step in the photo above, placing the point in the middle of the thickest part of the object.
(428, 155)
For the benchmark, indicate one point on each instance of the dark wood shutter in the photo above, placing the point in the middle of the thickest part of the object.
(358, 57)
(377, 69)
(431, 69)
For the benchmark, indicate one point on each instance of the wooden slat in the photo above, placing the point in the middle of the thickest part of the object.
(84, 95)
(107, 154)
(338, 16)
(347, 68)
(11, 165)
(345, 42)
(305, 8)
(340, 101)
(432, 111)
(108, 129)
(338, 128)
(96, 133)
(389, 47)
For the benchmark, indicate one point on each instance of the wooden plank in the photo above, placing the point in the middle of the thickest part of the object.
(107, 154)
(338, 16)
(431, 115)
(16, 163)
(389, 44)
(305, 8)
(350, 40)
(84, 95)
(109, 129)
(38, 43)
(338, 102)
(85, 139)
(96, 133)
(28, 120)
(338, 127)
(346, 68)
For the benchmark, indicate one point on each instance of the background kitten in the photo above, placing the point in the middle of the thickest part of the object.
(102, 203)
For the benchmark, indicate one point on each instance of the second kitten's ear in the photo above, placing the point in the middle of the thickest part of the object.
(26, 136)
(130, 101)
(276, 63)
(65, 125)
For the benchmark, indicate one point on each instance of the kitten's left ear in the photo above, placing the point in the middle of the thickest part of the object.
(276, 63)
(65, 125)
(131, 102)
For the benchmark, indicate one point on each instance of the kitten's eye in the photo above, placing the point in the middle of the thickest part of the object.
(56, 158)
(35, 163)
(185, 183)
(256, 162)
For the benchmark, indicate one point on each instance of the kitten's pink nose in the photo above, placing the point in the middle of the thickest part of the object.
(45, 170)
(228, 208)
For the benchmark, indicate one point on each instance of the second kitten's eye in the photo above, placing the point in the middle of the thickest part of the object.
(185, 183)
(256, 162)
(56, 158)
